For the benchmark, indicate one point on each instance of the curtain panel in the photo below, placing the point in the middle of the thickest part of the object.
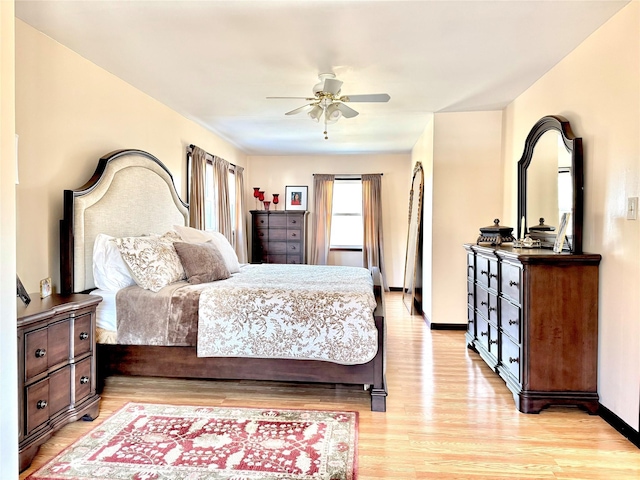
(373, 246)
(197, 188)
(323, 208)
(240, 239)
(221, 191)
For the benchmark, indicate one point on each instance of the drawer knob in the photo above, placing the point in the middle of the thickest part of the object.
(41, 352)
(484, 303)
(514, 360)
(470, 267)
(484, 272)
(493, 309)
(469, 294)
(83, 335)
(84, 380)
(493, 275)
(491, 342)
(484, 334)
(293, 235)
(513, 283)
(41, 404)
(471, 321)
(293, 221)
(513, 322)
(261, 221)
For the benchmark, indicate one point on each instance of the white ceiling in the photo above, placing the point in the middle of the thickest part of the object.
(215, 62)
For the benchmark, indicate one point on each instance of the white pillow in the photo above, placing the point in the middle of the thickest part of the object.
(193, 235)
(153, 261)
(110, 272)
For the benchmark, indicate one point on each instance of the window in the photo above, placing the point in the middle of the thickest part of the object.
(346, 220)
(210, 200)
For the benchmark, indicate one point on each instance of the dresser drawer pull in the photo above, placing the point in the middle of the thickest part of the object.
(469, 294)
(261, 234)
(513, 283)
(493, 275)
(41, 404)
(470, 267)
(83, 335)
(484, 272)
(514, 360)
(491, 342)
(294, 221)
(293, 235)
(513, 322)
(261, 221)
(84, 380)
(484, 334)
(484, 303)
(41, 352)
(493, 309)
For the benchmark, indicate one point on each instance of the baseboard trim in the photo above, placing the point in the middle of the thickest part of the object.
(448, 326)
(395, 289)
(619, 424)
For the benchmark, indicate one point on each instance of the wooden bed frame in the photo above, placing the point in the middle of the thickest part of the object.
(87, 212)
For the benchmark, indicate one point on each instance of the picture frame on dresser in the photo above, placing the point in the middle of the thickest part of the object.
(296, 197)
(22, 292)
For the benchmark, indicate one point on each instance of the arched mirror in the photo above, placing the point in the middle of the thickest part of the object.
(550, 184)
(412, 288)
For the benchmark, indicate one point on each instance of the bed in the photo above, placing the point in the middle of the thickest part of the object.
(132, 194)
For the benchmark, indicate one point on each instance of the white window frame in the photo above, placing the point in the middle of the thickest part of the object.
(343, 213)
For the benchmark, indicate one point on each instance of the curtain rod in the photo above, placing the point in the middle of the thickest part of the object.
(347, 175)
(192, 146)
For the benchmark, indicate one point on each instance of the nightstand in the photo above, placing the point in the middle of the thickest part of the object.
(56, 367)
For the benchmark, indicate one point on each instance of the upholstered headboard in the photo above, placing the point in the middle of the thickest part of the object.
(131, 193)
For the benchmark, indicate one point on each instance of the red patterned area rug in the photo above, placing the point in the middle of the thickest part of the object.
(149, 442)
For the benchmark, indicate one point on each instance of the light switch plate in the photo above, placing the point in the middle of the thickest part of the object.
(632, 208)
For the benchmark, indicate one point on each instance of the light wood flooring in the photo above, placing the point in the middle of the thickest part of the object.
(448, 416)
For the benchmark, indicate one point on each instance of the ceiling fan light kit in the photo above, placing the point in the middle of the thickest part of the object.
(328, 102)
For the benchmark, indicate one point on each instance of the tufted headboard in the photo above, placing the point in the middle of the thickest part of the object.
(131, 193)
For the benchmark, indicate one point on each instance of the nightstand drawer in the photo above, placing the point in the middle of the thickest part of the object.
(83, 379)
(82, 335)
(60, 390)
(37, 404)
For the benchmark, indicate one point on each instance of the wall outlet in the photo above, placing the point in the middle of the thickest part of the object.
(632, 208)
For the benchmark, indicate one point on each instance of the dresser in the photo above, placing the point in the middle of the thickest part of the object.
(278, 236)
(533, 318)
(56, 367)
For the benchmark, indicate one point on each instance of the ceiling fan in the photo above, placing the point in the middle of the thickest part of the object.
(328, 102)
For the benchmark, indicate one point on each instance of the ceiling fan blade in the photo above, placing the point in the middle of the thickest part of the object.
(332, 86)
(299, 109)
(347, 112)
(294, 98)
(373, 97)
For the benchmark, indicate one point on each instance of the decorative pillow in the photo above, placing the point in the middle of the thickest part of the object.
(110, 272)
(202, 262)
(153, 261)
(193, 235)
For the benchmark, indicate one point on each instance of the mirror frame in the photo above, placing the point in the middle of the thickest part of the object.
(409, 291)
(574, 146)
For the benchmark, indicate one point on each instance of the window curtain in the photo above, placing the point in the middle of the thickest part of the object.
(322, 206)
(372, 246)
(197, 188)
(221, 189)
(240, 240)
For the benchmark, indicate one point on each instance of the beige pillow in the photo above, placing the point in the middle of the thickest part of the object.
(193, 235)
(152, 260)
(202, 262)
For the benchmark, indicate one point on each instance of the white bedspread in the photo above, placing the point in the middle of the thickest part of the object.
(298, 312)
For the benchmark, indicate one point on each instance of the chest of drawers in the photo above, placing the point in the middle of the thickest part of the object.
(278, 236)
(533, 318)
(56, 367)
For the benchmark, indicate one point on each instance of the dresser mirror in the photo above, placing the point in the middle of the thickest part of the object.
(550, 183)
(412, 288)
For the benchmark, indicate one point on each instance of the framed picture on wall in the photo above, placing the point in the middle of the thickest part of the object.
(296, 197)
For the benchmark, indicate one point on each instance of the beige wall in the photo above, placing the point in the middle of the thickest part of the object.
(597, 88)
(467, 195)
(69, 113)
(8, 344)
(272, 174)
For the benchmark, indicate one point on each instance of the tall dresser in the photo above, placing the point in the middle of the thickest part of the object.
(278, 236)
(56, 367)
(533, 318)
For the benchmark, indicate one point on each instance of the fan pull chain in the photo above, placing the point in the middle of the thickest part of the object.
(326, 136)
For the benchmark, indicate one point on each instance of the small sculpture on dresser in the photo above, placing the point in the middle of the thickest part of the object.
(495, 234)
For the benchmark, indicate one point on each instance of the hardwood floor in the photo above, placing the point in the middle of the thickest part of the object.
(448, 416)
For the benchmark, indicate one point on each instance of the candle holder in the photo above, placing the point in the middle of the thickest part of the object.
(256, 195)
(266, 204)
(276, 200)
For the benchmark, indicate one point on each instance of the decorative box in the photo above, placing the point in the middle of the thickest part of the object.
(495, 234)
